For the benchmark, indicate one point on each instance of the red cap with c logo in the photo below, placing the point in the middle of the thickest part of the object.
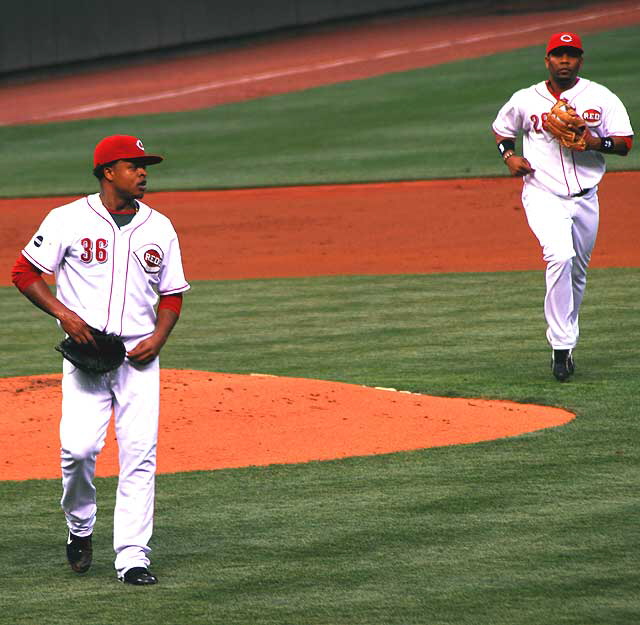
(122, 147)
(564, 40)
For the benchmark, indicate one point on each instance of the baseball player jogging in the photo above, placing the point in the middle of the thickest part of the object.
(567, 124)
(113, 258)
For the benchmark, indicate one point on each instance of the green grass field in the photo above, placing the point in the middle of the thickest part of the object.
(534, 530)
(428, 123)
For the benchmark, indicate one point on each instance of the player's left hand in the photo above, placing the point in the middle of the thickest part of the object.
(145, 351)
(591, 142)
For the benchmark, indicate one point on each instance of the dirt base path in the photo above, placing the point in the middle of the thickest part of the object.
(413, 227)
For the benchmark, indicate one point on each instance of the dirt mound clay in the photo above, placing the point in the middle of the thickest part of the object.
(214, 421)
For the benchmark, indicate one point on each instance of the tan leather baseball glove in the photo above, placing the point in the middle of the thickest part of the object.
(564, 123)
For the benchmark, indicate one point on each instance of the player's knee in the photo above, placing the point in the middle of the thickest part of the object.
(560, 259)
(79, 452)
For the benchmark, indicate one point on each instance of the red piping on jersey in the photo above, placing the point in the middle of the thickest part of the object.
(628, 141)
(564, 173)
(557, 94)
(542, 95)
(35, 263)
(113, 261)
(126, 275)
(180, 289)
(575, 170)
(24, 274)
(126, 282)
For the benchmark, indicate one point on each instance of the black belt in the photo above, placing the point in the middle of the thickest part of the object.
(583, 192)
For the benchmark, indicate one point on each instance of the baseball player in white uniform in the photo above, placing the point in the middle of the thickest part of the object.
(560, 185)
(114, 259)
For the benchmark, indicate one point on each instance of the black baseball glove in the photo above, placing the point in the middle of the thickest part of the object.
(108, 356)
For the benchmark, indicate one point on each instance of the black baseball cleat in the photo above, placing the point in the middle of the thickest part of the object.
(562, 365)
(139, 576)
(79, 552)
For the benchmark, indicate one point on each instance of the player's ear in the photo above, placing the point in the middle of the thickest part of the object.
(107, 172)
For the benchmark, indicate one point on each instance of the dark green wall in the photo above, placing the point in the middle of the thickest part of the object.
(40, 33)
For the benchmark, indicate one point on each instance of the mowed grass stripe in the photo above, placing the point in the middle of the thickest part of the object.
(427, 123)
(538, 528)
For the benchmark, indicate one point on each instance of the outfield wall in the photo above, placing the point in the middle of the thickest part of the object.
(41, 33)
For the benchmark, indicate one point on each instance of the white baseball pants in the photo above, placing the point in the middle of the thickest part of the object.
(566, 229)
(132, 394)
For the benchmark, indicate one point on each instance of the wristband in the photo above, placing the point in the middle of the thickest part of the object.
(607, 144)
(506, 145)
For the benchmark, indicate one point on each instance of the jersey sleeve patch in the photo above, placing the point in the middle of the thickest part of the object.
(150, 257)
(593, 117)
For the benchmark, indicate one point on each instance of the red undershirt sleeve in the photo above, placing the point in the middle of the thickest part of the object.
(24, 274)
(628, 141)
(171, 302)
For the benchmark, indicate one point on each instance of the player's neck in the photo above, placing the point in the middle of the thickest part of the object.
(117, 204)
(557, 88)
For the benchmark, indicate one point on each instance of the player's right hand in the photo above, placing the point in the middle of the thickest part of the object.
(519, 166)
(76, 327)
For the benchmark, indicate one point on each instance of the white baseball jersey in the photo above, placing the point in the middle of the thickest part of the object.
(562, 171)
(111, 277)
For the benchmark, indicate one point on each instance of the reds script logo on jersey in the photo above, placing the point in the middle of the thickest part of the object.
(593, 117)
(150, 257)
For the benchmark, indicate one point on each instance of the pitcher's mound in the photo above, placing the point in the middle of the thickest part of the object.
(214, 421)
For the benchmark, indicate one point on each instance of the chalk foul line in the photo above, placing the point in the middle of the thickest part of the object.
(307, 69)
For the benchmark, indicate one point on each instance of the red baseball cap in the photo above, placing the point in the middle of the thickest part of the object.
(122, 147)
(564, 40)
